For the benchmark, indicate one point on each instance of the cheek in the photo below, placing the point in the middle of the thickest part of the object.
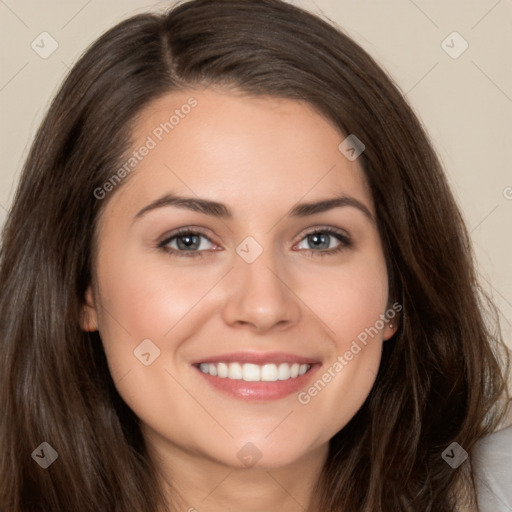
(347, 298)
(146, 298)
(353, 313)
(144, 301)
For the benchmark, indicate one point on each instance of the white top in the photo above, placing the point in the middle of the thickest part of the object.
(492, 463)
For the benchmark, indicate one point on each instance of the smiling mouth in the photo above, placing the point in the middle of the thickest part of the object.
(249, 372)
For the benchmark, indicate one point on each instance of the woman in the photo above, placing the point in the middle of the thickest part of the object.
(234, 277)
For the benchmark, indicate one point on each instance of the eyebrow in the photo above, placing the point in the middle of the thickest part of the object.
(220, 210)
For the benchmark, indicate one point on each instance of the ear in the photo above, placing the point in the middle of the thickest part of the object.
(89, 317)
(391, 328)
(392, 322)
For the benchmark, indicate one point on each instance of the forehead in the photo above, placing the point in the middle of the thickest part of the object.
(232, 147)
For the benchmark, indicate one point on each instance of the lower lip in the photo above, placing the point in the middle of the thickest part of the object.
(259, 391)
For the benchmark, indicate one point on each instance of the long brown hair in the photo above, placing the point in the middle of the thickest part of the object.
(441, 376)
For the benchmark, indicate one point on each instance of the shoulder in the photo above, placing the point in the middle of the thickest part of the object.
(492, 464)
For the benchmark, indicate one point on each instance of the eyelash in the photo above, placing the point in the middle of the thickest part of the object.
(339, 235)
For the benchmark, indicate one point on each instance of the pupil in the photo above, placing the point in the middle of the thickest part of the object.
(188, 241)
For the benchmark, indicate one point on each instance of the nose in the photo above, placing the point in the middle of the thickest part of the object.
(260, 297)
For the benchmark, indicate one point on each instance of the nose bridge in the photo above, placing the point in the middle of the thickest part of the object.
(258, 293)
(256, 260)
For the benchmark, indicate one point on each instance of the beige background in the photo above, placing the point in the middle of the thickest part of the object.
(465, 102)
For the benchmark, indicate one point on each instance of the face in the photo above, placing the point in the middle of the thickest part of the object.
(238, 271)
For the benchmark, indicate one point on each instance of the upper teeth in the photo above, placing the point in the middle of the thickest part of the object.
(253, 372)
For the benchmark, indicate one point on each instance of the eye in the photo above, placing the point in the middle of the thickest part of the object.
(324, 241)
(192, 242)
(186, 242)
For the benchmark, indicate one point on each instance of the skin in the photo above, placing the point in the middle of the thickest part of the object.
(260, 157)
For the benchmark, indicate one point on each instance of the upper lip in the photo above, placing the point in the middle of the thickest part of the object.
(258, 358)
